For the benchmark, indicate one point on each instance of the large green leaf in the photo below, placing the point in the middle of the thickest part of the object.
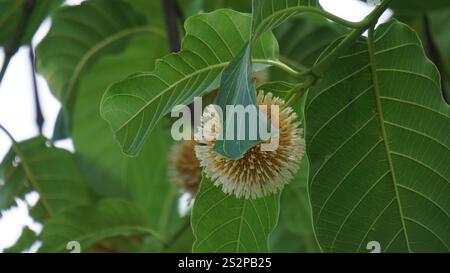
(11, 15)
(377, 138)
(142, 178)
(79, 35)
(222, 223)
(34, 166)
(155, 16)
(100, 157)
(134, 106)
(90, 224)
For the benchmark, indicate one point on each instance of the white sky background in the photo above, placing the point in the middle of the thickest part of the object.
(17, 110)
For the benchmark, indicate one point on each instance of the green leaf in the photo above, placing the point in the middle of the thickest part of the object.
(34, 166)
(99, 156)
(79, 35)
(223, 223)
(135, 105)
(143, 178)
(110, 173)
(377, 138)
(90, 224)
(11, 13)
(268, 14)
(102, 163)
(26, 240)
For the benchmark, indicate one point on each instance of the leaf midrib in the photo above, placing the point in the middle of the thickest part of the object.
(377, 94)
(241, 223)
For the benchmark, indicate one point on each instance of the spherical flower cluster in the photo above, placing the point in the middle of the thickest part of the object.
(258, 173)
(184, 168)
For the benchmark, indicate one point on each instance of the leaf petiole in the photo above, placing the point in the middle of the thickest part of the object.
(298, 91)
(280, 65)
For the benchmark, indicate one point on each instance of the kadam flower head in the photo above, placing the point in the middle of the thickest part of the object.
(258, 173)
(184, 167)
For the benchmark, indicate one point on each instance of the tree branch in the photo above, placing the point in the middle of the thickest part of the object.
(170, 14)
(39, 116)
(13, 45)
(179, 11)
